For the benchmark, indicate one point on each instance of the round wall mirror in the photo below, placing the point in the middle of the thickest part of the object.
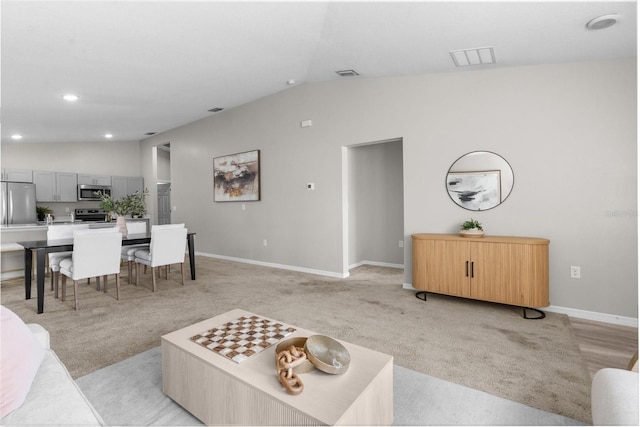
(479, 180)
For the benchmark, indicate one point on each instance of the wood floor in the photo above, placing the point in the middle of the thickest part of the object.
(605, 345)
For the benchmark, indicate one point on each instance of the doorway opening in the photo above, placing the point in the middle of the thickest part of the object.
(374, 216)
(163, 180)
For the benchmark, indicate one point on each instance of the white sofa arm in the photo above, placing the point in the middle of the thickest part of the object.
(42, 335)
(614, 397)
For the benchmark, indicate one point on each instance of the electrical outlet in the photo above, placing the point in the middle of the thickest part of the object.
(401, 244)
(264, 242)
(575, 272)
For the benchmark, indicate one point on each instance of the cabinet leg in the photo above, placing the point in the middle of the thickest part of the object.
(422, 295)
(541, 314)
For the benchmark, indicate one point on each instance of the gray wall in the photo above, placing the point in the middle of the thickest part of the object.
(375, 195)
(568, 131)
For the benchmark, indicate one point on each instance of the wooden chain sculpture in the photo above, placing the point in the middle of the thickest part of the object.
(285, 362)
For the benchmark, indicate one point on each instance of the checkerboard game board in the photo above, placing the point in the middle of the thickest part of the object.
(241, 338)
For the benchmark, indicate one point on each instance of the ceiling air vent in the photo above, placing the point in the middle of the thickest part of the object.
(216, 109)
(475, 56)
(347, 73)
(150, 133)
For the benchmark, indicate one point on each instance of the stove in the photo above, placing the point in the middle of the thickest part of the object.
(89, 215)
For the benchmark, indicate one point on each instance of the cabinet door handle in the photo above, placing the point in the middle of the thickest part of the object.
(472, 269)
(467, 269)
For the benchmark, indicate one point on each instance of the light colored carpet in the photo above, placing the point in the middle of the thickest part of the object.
(484, 346)
(130, 393)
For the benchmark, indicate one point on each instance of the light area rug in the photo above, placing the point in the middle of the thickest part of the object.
(130, 393)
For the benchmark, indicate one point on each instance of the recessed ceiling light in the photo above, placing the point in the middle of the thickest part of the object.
(291, 82)
(108, 135)
(604, 21)
(70, 97)
(16, 136)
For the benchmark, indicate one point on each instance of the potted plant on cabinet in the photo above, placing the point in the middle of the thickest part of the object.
(471, 228)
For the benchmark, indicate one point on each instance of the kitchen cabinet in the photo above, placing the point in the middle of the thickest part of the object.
(17, 175)
(86, 179)
(56, 186)
(502, 269)
(122, 186)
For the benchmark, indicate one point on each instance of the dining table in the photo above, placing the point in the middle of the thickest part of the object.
(43, 247)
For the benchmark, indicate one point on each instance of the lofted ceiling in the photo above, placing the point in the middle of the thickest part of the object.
(150, 66)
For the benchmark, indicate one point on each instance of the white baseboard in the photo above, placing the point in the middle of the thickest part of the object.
(377, 264)
(281, 266)
(595, 316)
(12, 275)
(578, 314)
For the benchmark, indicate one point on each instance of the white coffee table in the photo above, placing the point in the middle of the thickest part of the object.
(219, 391)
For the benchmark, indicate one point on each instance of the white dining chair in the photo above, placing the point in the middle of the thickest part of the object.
(128, 252)
(96, 252)
(168, 245)
(56, 232)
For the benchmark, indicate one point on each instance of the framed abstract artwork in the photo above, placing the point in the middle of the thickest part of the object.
(477, 190)
(236, 177)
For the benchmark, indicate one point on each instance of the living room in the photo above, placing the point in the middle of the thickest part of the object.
(567, 129)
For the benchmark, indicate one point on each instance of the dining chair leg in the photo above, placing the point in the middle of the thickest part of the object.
(118, 286)
(64, 287)
(52, 284)
(104, 287)
(75, 294)
(137, 273)
(129, 271)
(153, 277)
(166, 272)
(97, 283)
(55, 284)
(182, 272)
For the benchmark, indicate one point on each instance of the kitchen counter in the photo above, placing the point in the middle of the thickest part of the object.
(22, 227)
(42, 225)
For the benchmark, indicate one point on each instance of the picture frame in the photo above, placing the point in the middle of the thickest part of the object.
(475, 190)
(236, 177)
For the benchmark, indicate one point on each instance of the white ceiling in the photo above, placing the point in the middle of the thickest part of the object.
(150, 66)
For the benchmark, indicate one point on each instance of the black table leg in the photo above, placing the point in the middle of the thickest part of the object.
(40, 256)
(28, 265)
(192, 256)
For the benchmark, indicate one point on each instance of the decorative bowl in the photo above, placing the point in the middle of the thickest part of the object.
(474, 232)
(299, 342)
(327, 354)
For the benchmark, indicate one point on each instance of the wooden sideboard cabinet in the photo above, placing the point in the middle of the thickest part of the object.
(508, 270)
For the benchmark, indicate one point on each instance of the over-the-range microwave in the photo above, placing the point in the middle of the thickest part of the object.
(88, 192)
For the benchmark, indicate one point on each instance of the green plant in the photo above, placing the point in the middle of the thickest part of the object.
(471, 224)
(132, 204)
(137, 206)
(43, 210)
(107, 203)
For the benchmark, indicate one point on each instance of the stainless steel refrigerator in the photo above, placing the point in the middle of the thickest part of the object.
(18, 203)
